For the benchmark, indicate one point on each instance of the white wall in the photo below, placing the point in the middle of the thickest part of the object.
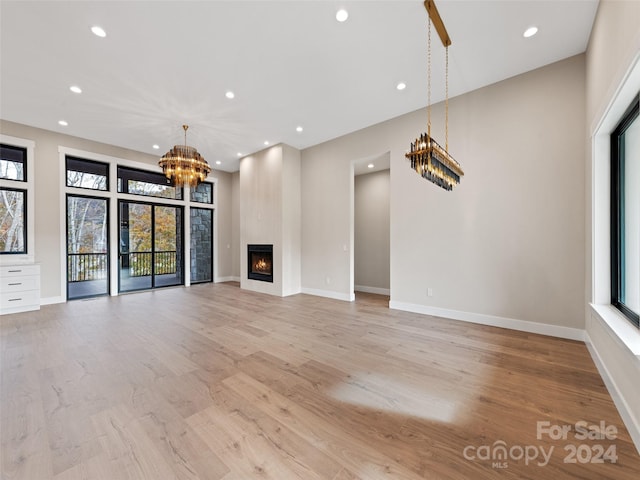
(372, 232)
(224, 234)
(270, 214)
(291, 221)
(235, 226)
(612, 79)
(507, 243)
(48, 230)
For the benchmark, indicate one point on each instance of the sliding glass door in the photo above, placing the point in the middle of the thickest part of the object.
(150, 250)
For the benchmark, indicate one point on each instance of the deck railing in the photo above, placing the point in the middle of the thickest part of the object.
(140, 263)
(83, 267)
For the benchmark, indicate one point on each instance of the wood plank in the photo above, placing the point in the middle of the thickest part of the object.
(213, 382)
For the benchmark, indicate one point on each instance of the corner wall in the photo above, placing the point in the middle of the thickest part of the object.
(506, 246)
(614, 49)
(235, 226)
(224, 269)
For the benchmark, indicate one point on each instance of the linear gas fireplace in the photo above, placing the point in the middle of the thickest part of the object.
(260, 259)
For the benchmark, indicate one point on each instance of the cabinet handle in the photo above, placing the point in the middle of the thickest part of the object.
(15, 299)
(15, 271)
(14, 284)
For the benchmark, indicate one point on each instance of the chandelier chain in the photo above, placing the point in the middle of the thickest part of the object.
(446, 101)
(429, 79)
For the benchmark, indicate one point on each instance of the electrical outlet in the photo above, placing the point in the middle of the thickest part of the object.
(429, 292)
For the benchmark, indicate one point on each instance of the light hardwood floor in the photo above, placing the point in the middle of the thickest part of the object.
(212, 382)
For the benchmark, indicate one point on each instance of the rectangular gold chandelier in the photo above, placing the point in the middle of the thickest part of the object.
(434, 163)
(427, 157)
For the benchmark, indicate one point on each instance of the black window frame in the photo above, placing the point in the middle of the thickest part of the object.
(86, 166)
(211, 233)
(108, 243)
(194, 191)
(127, 173)
(617, 210)
(181, 239)
(25, 233)
(23, 161)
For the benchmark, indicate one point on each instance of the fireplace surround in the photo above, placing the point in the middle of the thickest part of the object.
(260, 262)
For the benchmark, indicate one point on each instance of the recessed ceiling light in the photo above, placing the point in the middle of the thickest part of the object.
(156, 146)
(63, 123)
(530, 32)
(75, 89)
(98, 31)
(218, 162)
(299, 129)
(239, 154)
(266, 142)
(342, 15)
(230, 94)
(401, 86)
(371, 165)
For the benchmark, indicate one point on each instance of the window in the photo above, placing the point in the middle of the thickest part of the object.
(13, 199)
(87, 174)
(201, 245)
(13, 221)
(625, 214)
(128, 226)
(203, 193)
(140, 182)
(13, 163)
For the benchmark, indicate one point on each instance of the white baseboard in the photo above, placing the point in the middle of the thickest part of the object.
(632, 424)
(376, 290)
(329, 294)
(226, 279)
(52, 300)
(503, 322)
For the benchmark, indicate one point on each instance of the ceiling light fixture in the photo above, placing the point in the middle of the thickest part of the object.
(155, 146)
(266, 142)
(75, 89)
(371, 165)
(230, 94)
(98, 31)
(183, 165)
(401, 86)
(299, 129)
(530, 32)
(342, 15)
(427, 157)
(63, 123)
(239, 154)
(218, 162)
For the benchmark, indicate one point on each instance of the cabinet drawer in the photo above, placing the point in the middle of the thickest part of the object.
(19, 300)
(7, 271)
(18, 284)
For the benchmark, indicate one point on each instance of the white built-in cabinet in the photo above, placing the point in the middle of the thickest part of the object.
(19, 288)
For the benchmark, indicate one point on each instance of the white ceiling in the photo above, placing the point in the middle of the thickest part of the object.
(165, 63)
